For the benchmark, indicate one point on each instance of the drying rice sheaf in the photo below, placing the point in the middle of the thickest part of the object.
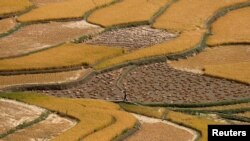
(231, 28)
(97, 118)
(69, 9)
(184, 42)
(13, 6)
(127, 11)
(61, 57)
(191, 14)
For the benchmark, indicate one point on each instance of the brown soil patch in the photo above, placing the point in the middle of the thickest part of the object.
(44, 130)
(40, 36)
(160, 132)
(44, 78)
(15, 113)
(160, 83)
(153, 129)
(101, 86)
(6, 25)
(40, 3)
(132, 37)
(214, 56)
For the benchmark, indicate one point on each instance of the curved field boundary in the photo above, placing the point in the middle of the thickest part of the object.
(199, 105)
(85, 55)
(24, 125)
(233, 71)
(198, 48)
(85, 16)
(55, 86)
(29, 7)
(98, 17)
(231, 29)
(134, 24)
(96, 117)
(227, 114)
(62, 18)
(193, 135)
(230, 44)
(43, 78)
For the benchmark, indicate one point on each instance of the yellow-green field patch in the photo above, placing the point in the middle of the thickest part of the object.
(69, 9)
(13, 6)
(191, 14)
(238, 71)
(43, 78)
(93, 116)
(62, 56)
(127, 11)
(231, 28)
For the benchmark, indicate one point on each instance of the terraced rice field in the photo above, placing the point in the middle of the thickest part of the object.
(160, 83)
(198, 122)
(157, 130)
(43, 78)
(43, 41)
(97, 118)
(184, 42)
(182, 15)
(101, 86)
(228, 62)
(231, 28)
(132, 38)
(44, 130)
(214, 56)
(41, 36)
(6, 25)
(61, 56)
(11, 7)
(14, 113)
(139, 10)
(69, 9)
